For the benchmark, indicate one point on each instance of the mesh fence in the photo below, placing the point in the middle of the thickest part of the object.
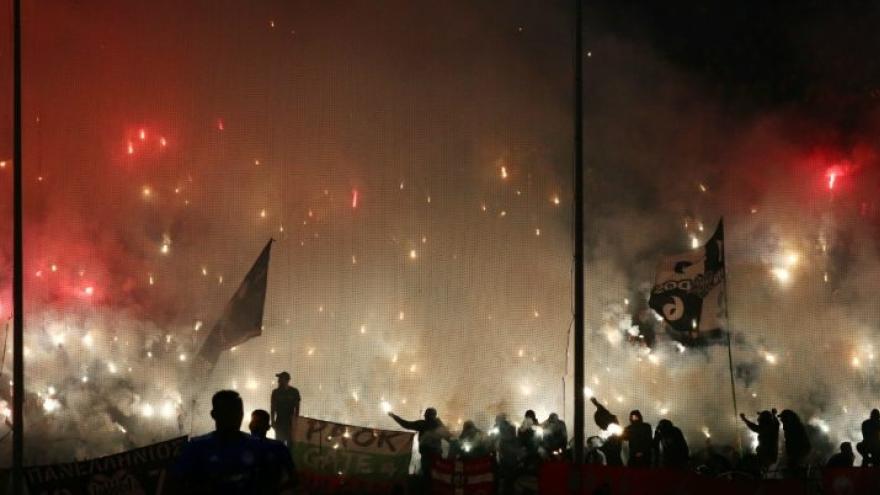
(413, 162)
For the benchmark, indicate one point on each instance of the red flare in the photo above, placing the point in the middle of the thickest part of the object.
(354, 198)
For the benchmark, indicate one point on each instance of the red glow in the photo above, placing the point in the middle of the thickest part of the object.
(219, 124)
(88, 291)
(163, 142)
(130, 149)
(833, 175)
(142, 134)
(354, 198)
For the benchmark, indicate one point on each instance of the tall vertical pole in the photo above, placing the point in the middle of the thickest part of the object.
(18, 261)
(579, 326)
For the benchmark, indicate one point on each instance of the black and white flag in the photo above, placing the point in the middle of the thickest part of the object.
(689, 288)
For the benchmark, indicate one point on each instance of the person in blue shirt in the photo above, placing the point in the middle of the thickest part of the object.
(227, 460)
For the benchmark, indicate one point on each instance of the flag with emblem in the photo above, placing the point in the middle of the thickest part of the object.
(688, 292)
(242, 318)
(463, 476)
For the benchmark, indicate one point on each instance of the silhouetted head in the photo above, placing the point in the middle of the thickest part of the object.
(283, 379)
(664, 425)
(227, 411)
(259, 424)
(553, 417)
(789, 418)
(430, 414)
(635, 416)
(500, 419)
(875, 414)
(846, 448)
(765, 418)
(531, 415)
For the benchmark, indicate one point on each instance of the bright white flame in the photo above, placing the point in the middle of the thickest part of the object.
(706, 432)
(51, 405)
(385, 406)
(770, 358)
(88, 340)
(588, 392)
(147, 411)
(167, 410)
(782, 275)
(821, 424)
(695, 243)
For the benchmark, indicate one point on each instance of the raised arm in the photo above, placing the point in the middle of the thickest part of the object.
(752, 426)
(409, 425)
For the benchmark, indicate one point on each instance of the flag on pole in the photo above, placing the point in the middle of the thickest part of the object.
(689, 288)
(242, 318)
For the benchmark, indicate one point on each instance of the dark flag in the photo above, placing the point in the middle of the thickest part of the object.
(689, 290)
(242, 318)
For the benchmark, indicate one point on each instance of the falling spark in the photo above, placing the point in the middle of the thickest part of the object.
(87, 340)
(588, 392)
(182, 357)
(503, 172)
(130, 148)
(385, 406)
(142, 135)
(146, 191)
(770, 358)
(89, 291)
(412, 368)
(263, 213)
(412, 254)
(695, 243)
(354, 198)
(400, 316)
(163, 142)
(706, 432)
(147, 411)
(537, 232)
(220, 125)
(856, 362)
(702, 188)
(363, 329)
(556, 200)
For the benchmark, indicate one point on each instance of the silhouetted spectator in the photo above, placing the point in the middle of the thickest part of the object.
(797, 443)
(869, 447)
(594, 454)
(224, 461)
(555, 436)
(431, 433)
(506, 452)
(768, 437)
(671, 448)
(843, 459)
(284, 407)
(277, 469)
(609, 423)
(638, 435)
(471, 442)
(528, 436)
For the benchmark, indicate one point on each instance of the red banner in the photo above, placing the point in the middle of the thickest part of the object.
(557, 479)
(463, 477)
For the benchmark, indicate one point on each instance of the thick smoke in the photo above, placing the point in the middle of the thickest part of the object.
(447, 282)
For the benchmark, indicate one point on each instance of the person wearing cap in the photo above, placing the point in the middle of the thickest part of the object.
(285, 407)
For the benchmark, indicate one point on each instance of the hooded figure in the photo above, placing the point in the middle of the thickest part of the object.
(768, 437)
(555, 435)
(797, 443)
(471, 442)
(638, 434)
(670, 446)
(869, 447)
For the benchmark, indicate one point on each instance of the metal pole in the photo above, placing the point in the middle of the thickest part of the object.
(18, 261)
(579, 326)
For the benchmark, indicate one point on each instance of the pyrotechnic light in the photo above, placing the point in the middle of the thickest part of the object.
(706, 432)
(537, 232)
(2, 163)
(770, 358)
(130, 148)
(220, 126)
(588, 392)
(89, 291)
(820, 423)
(663, 411)
(503, 172)
(197, 325)
(702, 188)
(856, 362)
(163, 142)
(832, 178)
(400, 316)
(394, 359)
(782, 275)
(792, 259)
(654, 359)
(385, 406)
(525, 390)
(263, 213)
(354, 198)
(87, 340)
(142, 135)
(466, 446)
(147, 410)
(311, 351)
(182, 357)
(412, 254)
(84, 379)
(483, 207)
(363, 329)
(556, 200)
(503, 213)
(521, 353)
(51, 404)
(111, 367)
(146, 191)
(412, 368)
(167, 410)
(695, 243)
